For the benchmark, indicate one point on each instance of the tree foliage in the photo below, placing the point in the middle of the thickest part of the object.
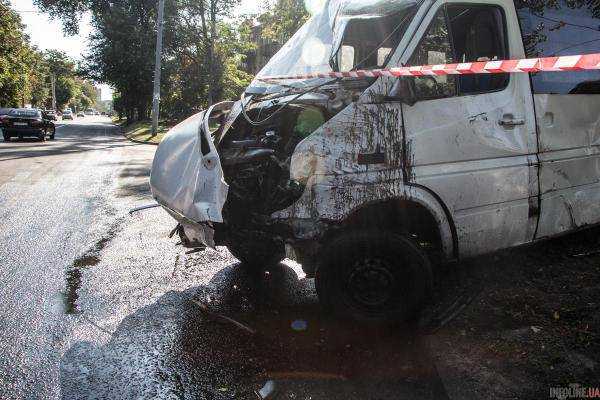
(282, 20)
(25, 72)
(123, 52)
(202, 54)
(204, 48)
(15, 53)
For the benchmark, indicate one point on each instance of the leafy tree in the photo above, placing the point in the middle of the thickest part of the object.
(203, 55)
(38, 79)
(282, 20)
(63, 68)
(14, 51)
(26, 73)
(123, 52)
(205, 20)
(231, 52)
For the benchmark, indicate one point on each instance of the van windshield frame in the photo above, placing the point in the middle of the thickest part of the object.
(315, 47)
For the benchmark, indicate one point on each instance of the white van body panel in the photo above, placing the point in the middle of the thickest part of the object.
(485, 174)
(186, 181)
(569, 129)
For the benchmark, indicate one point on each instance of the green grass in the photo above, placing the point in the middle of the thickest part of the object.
(141, 131)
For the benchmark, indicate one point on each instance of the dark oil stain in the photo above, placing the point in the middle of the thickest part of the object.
(86, 261)
(71, 296)
(91, 258)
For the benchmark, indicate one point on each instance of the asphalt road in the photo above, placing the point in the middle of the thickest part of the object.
(95, 303)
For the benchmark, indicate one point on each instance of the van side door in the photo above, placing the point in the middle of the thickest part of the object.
(471, 138)
(567, 106)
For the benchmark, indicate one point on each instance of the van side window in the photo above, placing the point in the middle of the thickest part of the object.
(479, 34)
(435, 48)
(561, 28)
(459, 34)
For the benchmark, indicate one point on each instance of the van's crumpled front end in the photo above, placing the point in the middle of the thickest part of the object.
(291, 156)
(187, 179)
(223, 178)
(319, 166)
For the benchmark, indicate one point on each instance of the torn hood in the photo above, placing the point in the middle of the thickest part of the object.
(186, 176)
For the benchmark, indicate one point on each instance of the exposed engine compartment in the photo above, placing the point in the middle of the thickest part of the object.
(224, 172)
(256, 164)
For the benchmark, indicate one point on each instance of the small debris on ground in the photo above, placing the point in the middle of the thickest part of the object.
(204, 308)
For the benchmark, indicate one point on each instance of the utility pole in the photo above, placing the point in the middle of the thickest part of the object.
(157, 67)
(54, 92)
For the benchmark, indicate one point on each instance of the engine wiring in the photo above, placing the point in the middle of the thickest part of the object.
(283, 104)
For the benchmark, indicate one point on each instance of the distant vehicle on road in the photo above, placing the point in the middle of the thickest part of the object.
(26, 122)
(67, 114)
(80, 114)
(51, 114)
(89, 111)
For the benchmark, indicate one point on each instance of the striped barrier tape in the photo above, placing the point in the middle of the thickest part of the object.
(547, 64)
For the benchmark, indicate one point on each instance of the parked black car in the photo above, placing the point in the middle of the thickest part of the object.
(26, 122)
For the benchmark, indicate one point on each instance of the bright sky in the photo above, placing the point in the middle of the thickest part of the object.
(47, 34)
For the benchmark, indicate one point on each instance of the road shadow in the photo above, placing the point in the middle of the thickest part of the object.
(23, 140)
(69, 142)
(174, 349)
(134, 178)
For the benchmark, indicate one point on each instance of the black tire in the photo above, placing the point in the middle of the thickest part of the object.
(374, 276)
(42, 137)
(6, 137)
(258, 255)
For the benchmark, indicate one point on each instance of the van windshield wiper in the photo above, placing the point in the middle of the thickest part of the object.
(283, 104)
(291, 90)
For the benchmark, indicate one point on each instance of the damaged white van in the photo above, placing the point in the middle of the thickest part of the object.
(371, 183)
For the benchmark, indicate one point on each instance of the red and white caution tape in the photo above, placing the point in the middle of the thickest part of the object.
(547, 64)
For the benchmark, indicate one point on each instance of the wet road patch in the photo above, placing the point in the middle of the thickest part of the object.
(173, 349)
(304, 352)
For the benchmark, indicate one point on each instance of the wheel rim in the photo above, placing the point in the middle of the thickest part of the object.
(371, 283)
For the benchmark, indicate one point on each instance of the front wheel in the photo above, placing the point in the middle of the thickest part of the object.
(6, 137)
(374, 276)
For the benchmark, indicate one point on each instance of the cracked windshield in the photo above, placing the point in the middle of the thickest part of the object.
(300, 199)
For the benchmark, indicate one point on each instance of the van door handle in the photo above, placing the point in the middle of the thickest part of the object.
(510, 122)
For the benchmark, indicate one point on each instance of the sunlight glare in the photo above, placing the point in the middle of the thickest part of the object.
(314, 52)
(314, 6)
